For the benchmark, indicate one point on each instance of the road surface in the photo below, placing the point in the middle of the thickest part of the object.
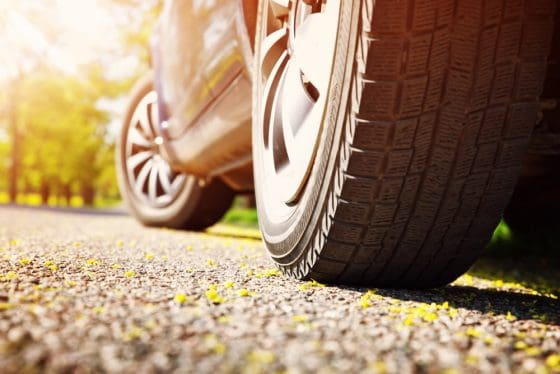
(98, 292)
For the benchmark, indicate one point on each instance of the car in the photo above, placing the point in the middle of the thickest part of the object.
(383, 139)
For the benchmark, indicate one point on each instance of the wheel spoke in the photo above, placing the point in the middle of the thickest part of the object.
(274, 46)
(300, 145)
(297, 100)
(280, 8)
(133, 161)
(277, 136)
(164, 177)
(177, 183)
(314, 49)
(152, 181)
(140, 181)
(142, 115)
(270, 111)
(136, 137)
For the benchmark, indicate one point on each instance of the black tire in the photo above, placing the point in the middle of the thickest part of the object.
(192, 208)
(431, 106)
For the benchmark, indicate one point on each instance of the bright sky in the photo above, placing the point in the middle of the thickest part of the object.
(65, 33)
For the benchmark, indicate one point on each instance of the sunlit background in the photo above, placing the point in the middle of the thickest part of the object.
(66, 67)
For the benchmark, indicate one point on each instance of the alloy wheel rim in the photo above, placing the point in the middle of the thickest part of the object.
(150, 177)
(294, 73)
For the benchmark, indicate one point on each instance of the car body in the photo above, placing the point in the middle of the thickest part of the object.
(202, 57)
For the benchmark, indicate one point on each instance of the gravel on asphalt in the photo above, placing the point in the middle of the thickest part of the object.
(93, 292)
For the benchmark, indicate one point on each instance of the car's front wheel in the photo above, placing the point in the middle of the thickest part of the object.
(388, 135)
(155, 194)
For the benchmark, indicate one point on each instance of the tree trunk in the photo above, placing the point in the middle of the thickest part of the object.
(67, 193)
(88, 195)
(14, 139)
(45, 192)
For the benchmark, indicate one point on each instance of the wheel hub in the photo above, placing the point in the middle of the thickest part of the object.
(150, 176)
(296, 64)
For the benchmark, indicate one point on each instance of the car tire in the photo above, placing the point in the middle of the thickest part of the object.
(186, 204)
(427, 114)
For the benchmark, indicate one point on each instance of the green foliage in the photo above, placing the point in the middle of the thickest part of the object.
(242, 217)
(62, 133)
(507, 242)
(502, 234)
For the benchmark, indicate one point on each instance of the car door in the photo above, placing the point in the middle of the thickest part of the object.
(196, 57)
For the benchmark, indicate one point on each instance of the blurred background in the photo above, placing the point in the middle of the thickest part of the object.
(66, 68)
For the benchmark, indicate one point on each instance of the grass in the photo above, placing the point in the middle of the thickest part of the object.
(238, 222)
(505, 242)
(241, 217)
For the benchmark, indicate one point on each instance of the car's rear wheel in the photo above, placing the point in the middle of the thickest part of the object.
(155, 194)
(387, 136)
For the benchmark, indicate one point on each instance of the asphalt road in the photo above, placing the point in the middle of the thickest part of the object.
(95, 292)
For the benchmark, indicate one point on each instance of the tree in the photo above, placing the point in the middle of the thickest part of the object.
(63, 131)
(59, 141)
